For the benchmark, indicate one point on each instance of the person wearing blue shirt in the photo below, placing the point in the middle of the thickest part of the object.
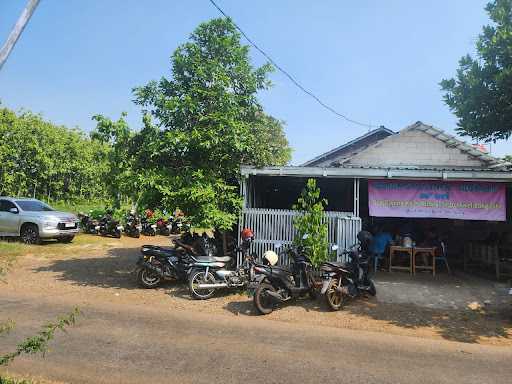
(381, 240)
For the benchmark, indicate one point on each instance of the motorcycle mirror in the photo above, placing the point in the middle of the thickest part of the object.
(334, 247)
(305, 236)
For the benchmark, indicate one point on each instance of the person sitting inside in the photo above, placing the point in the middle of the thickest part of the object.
(381, 240)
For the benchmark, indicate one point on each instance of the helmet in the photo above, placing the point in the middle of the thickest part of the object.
(109, 211)
(271, 257)
(247, 234)
(365, 238)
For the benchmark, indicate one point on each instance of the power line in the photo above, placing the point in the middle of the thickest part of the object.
(284, 72)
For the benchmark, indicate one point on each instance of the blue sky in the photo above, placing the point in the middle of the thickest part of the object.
(375, 61)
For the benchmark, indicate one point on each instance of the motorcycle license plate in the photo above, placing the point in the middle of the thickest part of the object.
(70, 225)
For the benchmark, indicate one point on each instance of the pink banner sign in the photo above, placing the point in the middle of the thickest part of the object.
(465, 200)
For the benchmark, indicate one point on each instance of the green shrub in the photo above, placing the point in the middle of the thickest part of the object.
(312, 222)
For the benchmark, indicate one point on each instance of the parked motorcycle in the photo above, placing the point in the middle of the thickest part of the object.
(107, 226)
(211, 273)
(343, 281)
(132, 227)
(163, 227)
(157, 264)
(87, 224)
(279, 284)
(147, 228)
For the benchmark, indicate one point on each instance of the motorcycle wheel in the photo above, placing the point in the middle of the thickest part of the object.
(312, 291)
(117, 234)
(198, 277)
(263, 303)
(148, 279)
(334, 299)
(372, 290)
(136, 234)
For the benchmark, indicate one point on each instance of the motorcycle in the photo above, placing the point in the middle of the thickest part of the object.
(147, 228)
(157, 264)
(107, 226)
(87, 224)
(342, 281)
(163, 227)
(280, 284)
(212, 273)
(133, 227)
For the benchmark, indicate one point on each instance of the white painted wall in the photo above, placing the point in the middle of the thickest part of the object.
(417, 148)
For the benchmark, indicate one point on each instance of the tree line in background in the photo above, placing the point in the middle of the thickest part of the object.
(41, 159)
(198, 126)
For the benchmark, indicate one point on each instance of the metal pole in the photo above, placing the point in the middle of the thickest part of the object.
(17, 30)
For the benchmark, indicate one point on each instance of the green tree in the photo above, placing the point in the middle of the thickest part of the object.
(481, 94)
(209, 123)
(118, 136)
(312, 223)
(41, 159)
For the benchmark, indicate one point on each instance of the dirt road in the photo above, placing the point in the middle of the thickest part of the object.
(130, 344)
(127, 334)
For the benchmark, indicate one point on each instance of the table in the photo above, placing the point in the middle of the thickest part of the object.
(395, 249)
(430, 251)
(412, 252)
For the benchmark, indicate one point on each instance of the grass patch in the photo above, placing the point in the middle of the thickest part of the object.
(11, 380)
(12, 250)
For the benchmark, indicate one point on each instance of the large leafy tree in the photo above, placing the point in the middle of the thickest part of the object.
(207, 122)
(481, 93)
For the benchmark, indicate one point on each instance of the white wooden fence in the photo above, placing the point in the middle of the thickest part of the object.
(275, 226)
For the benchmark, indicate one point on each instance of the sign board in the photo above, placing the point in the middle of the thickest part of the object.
(465, 200)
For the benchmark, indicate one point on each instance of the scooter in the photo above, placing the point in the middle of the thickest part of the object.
(147, 228)
(133, 226)
(87, 224)
(157, 264)
(213, 273)
(109, 227)
(343, 281)
(280, 284)
(163, 227)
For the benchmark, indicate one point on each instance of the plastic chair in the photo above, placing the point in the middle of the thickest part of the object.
(443, 257)
(376, 258)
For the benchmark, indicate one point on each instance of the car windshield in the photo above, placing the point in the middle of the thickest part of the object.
(33, 206)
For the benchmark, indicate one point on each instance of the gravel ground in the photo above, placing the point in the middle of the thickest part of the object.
(100, 270)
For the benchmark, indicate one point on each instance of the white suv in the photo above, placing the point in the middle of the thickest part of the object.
(33, 221)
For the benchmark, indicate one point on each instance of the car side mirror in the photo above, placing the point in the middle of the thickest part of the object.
(14, 210)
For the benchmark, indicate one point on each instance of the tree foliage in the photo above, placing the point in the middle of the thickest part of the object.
(481, 94)
(38, 158)
(312, 223)
(209, 123)
(38, 343)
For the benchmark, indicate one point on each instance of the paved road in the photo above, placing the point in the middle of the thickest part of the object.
(124, 344)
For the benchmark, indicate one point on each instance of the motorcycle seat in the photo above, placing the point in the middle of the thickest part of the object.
(332, 266)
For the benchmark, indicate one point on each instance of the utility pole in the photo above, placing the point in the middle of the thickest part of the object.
(16, 31)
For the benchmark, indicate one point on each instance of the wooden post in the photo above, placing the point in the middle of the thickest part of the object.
(17, 30)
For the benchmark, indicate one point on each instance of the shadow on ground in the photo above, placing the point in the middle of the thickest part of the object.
(462, 325)
(116, 270)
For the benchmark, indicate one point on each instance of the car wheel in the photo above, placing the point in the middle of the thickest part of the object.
(30, 234)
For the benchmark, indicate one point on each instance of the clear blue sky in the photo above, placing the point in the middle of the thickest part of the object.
(375, 61)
